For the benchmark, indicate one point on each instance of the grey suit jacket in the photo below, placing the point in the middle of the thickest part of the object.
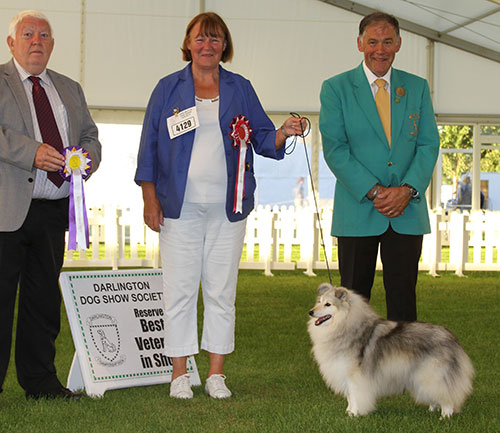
(17, 140)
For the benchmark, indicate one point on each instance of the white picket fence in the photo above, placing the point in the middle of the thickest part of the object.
(458, 242)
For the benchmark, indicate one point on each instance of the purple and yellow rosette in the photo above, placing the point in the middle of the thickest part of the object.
(76, 168)
(240, 132)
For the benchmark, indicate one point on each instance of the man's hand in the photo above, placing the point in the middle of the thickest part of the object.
(48, 158)
(392, 201)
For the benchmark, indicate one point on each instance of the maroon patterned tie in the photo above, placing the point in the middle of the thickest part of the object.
(47, 124)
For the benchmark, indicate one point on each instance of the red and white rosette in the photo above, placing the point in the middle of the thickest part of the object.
(240, 132)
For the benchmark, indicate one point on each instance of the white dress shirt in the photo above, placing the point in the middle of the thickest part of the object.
(43, 187)
(371, 77)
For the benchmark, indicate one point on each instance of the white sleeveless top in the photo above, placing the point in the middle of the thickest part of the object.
(207, 174)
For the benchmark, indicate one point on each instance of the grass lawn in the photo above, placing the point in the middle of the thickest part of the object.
(276, 385)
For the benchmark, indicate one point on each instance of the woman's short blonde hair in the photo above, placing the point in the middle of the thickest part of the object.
(212, 25)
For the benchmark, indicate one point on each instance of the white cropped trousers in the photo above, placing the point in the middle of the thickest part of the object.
(200, 246)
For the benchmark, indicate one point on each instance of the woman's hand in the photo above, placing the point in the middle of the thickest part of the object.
(291, 126)
(153, 215)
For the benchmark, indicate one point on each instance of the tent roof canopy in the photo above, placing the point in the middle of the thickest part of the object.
(470, 25)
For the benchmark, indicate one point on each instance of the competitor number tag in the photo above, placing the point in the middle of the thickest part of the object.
(182, 122)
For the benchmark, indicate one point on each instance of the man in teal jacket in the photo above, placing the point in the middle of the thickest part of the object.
(382, 174)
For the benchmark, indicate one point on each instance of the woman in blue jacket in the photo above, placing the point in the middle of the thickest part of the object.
(195, 168)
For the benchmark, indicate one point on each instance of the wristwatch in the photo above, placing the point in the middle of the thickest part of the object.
(375, 189)
(413, 192)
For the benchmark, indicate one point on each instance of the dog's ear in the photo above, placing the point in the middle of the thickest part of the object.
(341, 293)
(323, 288)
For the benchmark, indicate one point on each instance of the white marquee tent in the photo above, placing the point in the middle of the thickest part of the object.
(119, 49)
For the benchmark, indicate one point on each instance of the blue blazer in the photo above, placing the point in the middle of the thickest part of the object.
(165, 162)
(356, 150)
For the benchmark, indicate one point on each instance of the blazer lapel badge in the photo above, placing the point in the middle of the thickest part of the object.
(414, 118)
(400, 92)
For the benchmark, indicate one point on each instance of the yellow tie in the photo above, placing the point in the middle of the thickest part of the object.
(383, 103)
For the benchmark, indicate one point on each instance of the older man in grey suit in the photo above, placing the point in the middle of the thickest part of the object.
(33, 203)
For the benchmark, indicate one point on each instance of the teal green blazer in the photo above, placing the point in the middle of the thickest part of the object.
(356, 150)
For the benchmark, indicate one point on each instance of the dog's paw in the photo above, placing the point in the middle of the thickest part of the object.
(432, 408)
(352, 413)
(446, 412)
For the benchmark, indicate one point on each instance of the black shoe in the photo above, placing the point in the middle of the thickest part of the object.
(60, 393)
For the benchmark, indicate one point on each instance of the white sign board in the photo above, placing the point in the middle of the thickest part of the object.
(118, 327)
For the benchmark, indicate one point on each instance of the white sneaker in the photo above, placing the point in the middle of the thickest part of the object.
(215, 386)
(181, 387)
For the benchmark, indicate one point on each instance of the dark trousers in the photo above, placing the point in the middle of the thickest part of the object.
(400, 255)
(31, 259)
